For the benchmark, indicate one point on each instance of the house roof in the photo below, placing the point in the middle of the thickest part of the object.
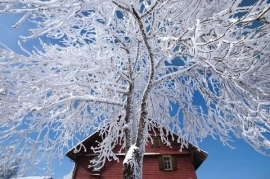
(198, 155)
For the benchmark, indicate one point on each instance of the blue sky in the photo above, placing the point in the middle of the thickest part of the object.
(225, 163)
(222, 162)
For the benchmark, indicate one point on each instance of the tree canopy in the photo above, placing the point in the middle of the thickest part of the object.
(123, 67)
(8, 166)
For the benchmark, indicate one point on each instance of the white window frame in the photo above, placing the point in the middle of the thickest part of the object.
(167, 165)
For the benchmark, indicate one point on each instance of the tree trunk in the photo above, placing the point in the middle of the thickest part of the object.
(133, 168)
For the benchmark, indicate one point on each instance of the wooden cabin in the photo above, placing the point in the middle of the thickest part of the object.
(160, 161)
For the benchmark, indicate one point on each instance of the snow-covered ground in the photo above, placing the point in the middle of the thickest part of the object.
(34, 177)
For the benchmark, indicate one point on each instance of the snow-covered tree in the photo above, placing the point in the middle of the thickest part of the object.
(8, 167)
(68, 176)
(9, 170)
(124, 66)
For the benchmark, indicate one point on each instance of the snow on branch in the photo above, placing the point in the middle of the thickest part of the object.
(195, 68)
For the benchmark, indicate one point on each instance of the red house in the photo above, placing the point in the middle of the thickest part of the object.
(159, 162)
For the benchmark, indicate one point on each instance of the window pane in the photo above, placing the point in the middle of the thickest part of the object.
(167, 162)
(156, 142)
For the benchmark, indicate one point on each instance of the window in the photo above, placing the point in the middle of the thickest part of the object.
(156, 142)
(167, 162)
(97, 167)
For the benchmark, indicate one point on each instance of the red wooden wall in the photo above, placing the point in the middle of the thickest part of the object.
(113, 169)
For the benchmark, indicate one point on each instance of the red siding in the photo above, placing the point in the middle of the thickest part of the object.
(185, 168)
(81, 170)
(113, 169)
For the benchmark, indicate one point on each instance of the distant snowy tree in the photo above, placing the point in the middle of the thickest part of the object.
(124, 66)
(8, 168)
(35, 177)
(68, 176)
